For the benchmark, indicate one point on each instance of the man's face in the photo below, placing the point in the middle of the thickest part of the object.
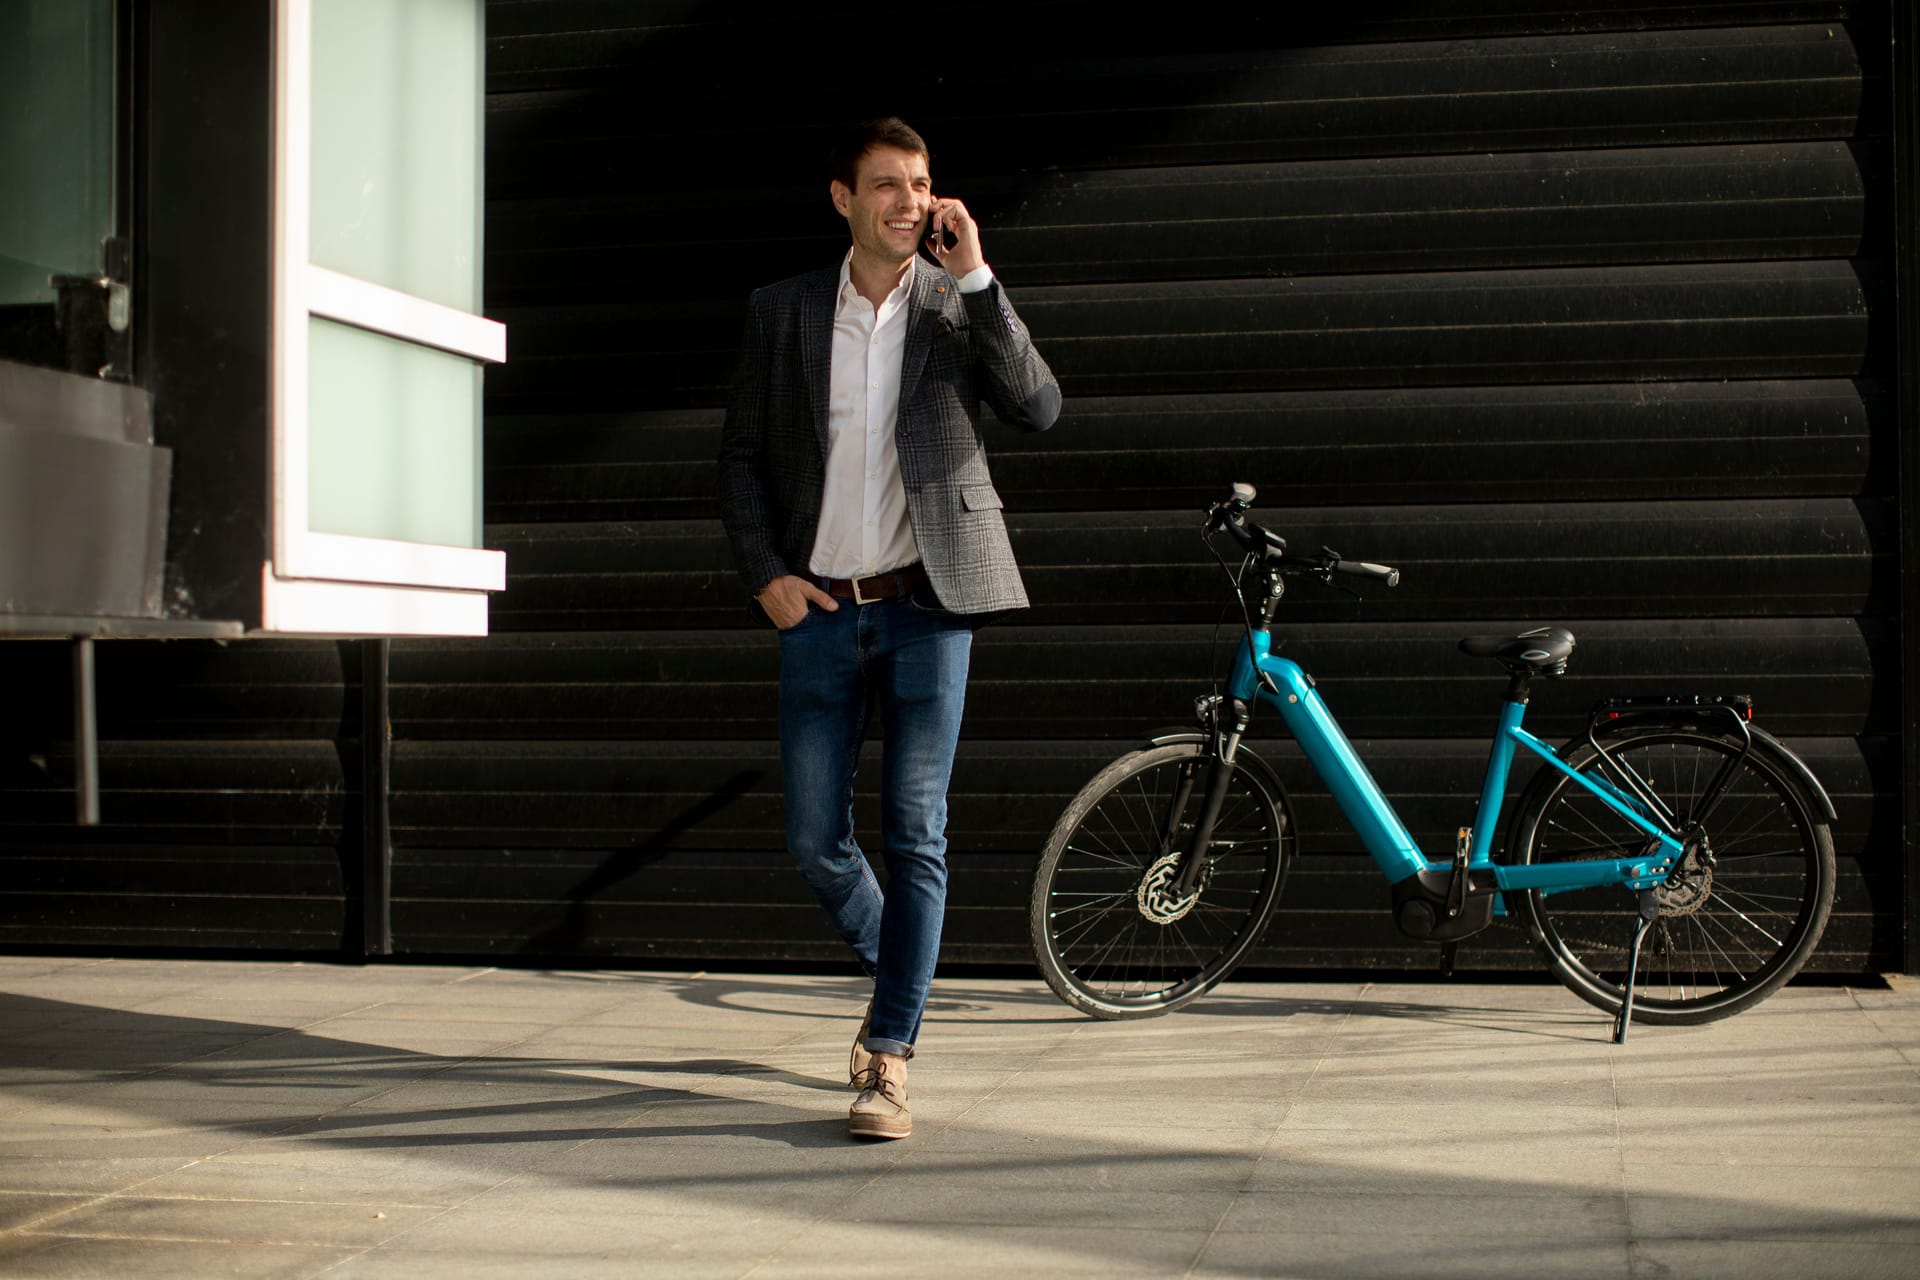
(887, 208)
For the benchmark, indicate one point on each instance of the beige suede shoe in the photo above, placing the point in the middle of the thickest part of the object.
(859, 1060)
(881, 1109)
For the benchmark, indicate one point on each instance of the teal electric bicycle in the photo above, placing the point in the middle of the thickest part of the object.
(1673, 864)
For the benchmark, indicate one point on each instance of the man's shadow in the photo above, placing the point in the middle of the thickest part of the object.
(55, 1050)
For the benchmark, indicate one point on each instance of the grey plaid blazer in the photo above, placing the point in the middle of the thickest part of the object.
(960, 349)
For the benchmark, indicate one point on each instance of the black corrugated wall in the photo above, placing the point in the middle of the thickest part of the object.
(1576, 316)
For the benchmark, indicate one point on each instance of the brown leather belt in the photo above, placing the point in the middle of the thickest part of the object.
(880, 586)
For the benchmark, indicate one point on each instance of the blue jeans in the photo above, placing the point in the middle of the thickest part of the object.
(911, 659)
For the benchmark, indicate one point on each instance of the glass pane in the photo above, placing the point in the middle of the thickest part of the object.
(57, 197)
(393, 438)
(396, 144)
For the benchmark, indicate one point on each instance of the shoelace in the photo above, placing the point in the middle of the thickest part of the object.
(872, 1081)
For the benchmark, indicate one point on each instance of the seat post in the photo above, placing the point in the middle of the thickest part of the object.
(1519, 683)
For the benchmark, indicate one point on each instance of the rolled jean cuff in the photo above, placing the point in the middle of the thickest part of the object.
(899, 1047)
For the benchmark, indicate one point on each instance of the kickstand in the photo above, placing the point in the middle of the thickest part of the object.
(1446, 958)
(1649, 912)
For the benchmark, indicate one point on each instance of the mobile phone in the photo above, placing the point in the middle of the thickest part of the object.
(944, 235)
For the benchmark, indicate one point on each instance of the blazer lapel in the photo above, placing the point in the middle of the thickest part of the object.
(931, 289)
(816, 349)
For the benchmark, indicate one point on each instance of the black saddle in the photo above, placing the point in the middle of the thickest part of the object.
(1544, 650)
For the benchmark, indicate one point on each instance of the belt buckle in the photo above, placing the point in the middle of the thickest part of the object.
(857, 597)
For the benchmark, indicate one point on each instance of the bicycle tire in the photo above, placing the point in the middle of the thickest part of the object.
(1100, 936)
(1732, 931)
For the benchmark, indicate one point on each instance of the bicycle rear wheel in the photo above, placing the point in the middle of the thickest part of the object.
(1736, 922)
(1109, 938)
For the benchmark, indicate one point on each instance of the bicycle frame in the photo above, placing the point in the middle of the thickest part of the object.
(1386, 838)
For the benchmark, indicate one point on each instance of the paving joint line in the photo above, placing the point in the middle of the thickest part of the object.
(902, 1158)
(601, 1136)
(1326, 1048)
(130, 1190)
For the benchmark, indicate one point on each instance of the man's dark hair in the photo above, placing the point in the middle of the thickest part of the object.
(843, 162)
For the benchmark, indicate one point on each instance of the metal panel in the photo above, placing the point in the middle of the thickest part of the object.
(83, 524)
(1579, 313)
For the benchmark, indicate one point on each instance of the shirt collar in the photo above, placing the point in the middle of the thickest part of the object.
(847, 291)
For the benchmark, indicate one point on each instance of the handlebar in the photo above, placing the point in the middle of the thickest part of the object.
(1271, 548)
(1366, 569)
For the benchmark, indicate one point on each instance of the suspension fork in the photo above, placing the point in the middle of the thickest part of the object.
(1226, 745)
(1225, 742)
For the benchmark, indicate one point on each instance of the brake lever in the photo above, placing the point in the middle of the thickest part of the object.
(1328, 568)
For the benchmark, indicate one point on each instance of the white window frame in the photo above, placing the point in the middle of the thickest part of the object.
(303, 290)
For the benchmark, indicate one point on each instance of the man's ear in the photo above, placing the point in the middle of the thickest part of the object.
(842, 197)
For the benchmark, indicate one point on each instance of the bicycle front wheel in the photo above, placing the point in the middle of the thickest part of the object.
(1737, 919)
(1110, 936)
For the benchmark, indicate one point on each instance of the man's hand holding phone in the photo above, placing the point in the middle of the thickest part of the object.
(953, 240)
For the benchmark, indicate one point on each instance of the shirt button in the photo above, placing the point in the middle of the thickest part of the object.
(874, 385)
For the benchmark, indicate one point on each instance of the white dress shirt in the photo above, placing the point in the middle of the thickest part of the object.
(864, 527)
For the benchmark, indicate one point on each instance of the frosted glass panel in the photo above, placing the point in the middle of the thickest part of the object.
(396, 144)
(393, 438)
(56, 142)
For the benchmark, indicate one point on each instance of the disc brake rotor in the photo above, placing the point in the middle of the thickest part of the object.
(1158, 899)
(1689, 886)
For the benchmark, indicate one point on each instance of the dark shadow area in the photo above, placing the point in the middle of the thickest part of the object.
(571, 935)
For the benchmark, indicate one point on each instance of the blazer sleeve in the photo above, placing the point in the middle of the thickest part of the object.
(744, 506)
(1017, 383)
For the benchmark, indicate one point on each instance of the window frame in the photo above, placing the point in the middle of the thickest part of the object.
(302, 290)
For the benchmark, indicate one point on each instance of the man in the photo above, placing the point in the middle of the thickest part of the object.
(855, 490)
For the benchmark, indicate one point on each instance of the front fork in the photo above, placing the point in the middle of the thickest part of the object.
(1225, 721)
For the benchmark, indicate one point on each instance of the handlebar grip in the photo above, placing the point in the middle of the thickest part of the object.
(1362, 569)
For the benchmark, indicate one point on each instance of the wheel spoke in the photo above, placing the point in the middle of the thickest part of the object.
(1736, 925)
(1112, 952)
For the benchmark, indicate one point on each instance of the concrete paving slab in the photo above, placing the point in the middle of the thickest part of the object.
(834, 1250)
(1478, 1113)
(247, 1221)
(393, 1263)
(93, 1177)
(1483, 1211)
(1387, 1161)
(423, 1177)
(107, 1110)
(1780, 1202)
(24, 1208)
(225, 1179)
(1698, 1145)
(1781, 1259)
(567, 1231)
(534, 1124)
(62, 1258)
(1343, 1256)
